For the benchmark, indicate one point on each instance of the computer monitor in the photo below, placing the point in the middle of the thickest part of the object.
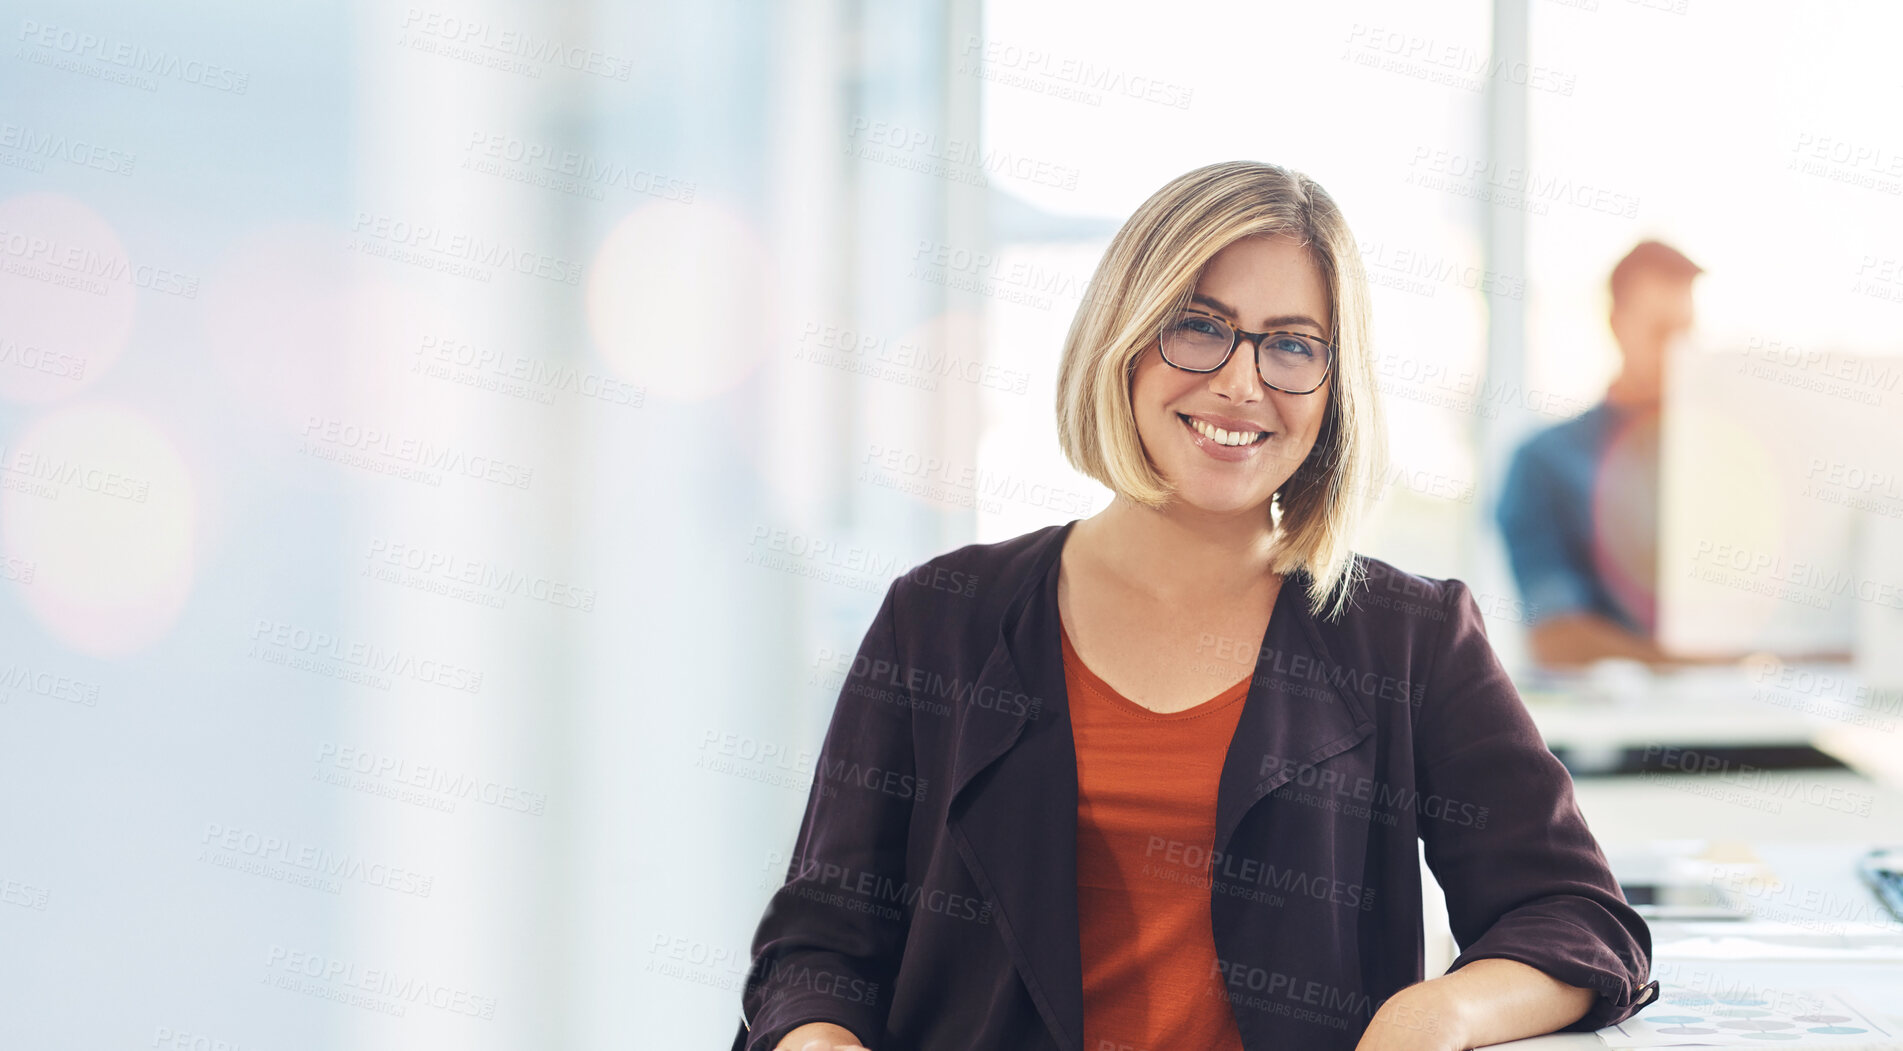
(1773, 460)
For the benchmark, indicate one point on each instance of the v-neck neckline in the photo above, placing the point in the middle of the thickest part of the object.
(1103, 690)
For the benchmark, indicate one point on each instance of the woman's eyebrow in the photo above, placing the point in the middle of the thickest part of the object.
(1273, 323)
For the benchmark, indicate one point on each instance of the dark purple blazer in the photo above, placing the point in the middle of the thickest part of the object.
(930, 902)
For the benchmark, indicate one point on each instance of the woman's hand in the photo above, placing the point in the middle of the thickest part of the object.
(821, 1036)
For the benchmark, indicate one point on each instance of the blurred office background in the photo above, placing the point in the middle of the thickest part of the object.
(446, 445)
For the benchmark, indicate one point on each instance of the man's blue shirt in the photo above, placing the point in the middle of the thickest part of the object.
(1545, 515)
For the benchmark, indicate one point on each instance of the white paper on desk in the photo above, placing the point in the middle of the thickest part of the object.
(1819, 1017)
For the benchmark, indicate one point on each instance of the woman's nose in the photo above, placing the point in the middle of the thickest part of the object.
(1239, 377)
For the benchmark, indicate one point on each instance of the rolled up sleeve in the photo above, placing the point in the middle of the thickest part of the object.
(830, 940)
(1523, 876)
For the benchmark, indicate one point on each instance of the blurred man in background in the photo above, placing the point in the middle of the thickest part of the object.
(1579, 509)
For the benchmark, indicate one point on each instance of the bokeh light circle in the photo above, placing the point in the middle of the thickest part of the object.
(99, 501)
(681, 299)
(277, 310)
(67, 295)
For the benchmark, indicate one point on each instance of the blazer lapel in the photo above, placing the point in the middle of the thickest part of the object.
(1302, 709)
(1013, 808)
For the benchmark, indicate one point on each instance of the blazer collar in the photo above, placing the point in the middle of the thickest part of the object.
(1013, 807)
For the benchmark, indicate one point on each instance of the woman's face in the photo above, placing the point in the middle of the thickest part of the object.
(1258, 284)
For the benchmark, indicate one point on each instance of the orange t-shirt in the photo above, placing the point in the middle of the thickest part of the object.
(1146, 822)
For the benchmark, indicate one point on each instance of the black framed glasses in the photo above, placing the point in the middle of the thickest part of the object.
(1291, 362)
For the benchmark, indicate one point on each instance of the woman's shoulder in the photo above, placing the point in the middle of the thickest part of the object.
(1376, 575)
(1397, 622)
(1002, 559)
(958, 599)
(1389, 600)
(989, 572)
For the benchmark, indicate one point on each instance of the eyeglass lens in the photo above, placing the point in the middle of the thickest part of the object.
(1287, 359)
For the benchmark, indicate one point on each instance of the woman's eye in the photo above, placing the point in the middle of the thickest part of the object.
(1291, 347)
(1199, 326)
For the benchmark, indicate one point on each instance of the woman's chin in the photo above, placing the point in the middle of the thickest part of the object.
(1217, 498)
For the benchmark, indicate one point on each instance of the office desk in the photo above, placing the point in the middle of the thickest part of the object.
(1876, 984)
(1825, 706)
(1808, 826)
(1838, 806)
(1819, 897)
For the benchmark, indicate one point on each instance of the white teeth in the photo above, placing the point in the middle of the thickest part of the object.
(1222, 437)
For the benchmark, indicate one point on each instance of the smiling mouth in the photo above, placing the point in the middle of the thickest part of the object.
(1222, 437)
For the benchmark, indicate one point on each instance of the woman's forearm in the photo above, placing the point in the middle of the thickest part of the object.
(826, 1035)
(1488, 1001)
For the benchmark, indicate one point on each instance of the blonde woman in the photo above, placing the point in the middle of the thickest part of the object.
(1154, 779)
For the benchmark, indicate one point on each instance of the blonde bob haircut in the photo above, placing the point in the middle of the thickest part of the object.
(1149, 272)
